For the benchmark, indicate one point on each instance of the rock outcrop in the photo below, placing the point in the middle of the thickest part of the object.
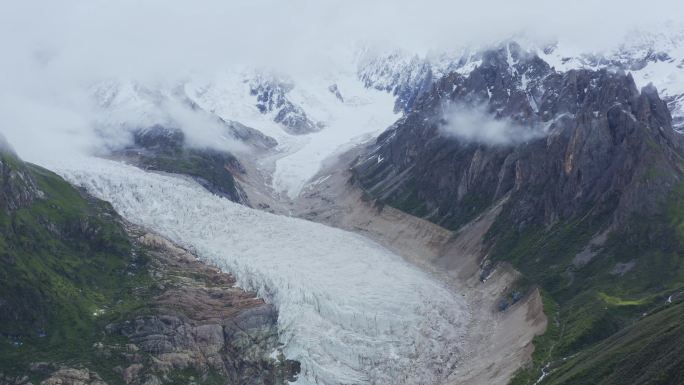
(18, 187)
(271, 95)
(200, 321)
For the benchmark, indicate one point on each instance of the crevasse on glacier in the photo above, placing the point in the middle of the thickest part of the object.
(349, 310)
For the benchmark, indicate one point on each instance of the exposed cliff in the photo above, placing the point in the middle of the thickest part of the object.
(587, 170)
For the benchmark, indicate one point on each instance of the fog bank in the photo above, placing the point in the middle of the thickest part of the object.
(54, 52)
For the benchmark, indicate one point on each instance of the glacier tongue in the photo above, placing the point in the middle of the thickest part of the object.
(349, 310)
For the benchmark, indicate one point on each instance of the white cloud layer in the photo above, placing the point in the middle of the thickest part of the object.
(53, 50)
(475, 125)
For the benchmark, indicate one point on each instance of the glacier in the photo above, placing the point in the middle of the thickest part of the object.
(350, 311)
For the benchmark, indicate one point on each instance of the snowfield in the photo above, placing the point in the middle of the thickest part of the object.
(351, 114)
(358, 114)
(349, 310)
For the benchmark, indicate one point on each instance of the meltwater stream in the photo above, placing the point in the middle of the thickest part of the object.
(349, 310)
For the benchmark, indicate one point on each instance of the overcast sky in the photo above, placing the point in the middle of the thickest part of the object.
(52, 50)
(148, 37)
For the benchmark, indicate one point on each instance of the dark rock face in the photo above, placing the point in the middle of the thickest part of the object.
(164, 149)
(159, 138)
(17, 187)
(336, 91)
(407, 85)
(411, 80)
(86, 299)
(250, 136)
(591, 210)
(271, 96)
(603, 139)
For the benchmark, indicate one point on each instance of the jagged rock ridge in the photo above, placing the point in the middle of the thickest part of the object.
(589, 210)
(89, 299)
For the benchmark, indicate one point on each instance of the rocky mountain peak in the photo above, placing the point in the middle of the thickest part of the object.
(595, 129)
(17, 187)
(271, 95)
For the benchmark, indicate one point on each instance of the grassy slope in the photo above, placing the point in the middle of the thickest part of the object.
(598, 314)
(210, 167)
(651, 351)
(589, 303)
(67, 269)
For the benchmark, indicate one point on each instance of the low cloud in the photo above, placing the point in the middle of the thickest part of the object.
(55, 51)
(473, 124)
(5, 147)
(116, 121)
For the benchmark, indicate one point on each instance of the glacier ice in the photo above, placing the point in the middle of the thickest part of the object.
(349, 310)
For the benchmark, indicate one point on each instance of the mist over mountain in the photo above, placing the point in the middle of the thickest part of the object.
(59, 52)
(378, 192)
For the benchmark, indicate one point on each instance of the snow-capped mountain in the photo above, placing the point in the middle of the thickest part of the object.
(655, 56)
(312, 117)
(125, 107)
(650, 56)
(408, 76)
